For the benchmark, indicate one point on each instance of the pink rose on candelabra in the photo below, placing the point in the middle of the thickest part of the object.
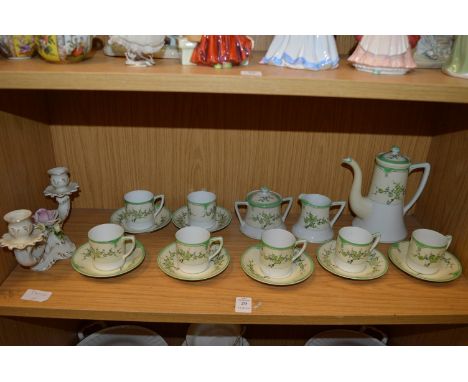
(46, 217)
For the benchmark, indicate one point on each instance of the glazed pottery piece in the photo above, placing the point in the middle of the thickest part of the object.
(122, 335)
(64, 48)
(215, 335)
(20, 224)
(186, 47)
(59, 178)
(389, 54)
(376, 264)
(107, 246)
(312, 52)
(17, 47)
(457, 64)
(82, 261)
(139, 50)
(279, 251)
(383, 209)
(201, 207)
(223, 218)
(195, 249)
(427, 250)
(314, 224)
(161, 220)
(302, 268)
(140, 209)
(433, 51)
(263, 212)
(345, 337)
(450, 267)
(167, 262)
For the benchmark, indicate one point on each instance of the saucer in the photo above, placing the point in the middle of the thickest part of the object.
(83, 263)
(381, 70)
(303, 267)
(450, 269)
(242, 342)
(13, 243)
(215, 335)
(162, 220)
(166, 261)
(123, 335)
(52, 191)
(377, 264)
(223, 218)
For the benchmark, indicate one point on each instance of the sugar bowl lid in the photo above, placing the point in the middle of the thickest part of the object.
(264, 198)
(393, 159)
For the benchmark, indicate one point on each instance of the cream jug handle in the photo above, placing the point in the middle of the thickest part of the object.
(236, 208)
(341, 203)
(289, 199)
(422, 183)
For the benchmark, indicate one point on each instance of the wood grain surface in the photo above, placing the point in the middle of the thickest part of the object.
(147, 294)
(111, 73)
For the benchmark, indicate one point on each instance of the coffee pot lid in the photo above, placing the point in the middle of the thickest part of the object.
(264, 198)
(393, 158)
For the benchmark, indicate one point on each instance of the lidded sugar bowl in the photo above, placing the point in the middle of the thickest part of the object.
(263, 212)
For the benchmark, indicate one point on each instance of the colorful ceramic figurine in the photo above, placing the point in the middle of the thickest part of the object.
(139, 50)
(384, 54)
(222, 51)
(457, 65)
(433, 51)
(315, 52)
(18, 47)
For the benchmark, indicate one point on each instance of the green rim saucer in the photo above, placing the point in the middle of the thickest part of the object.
(162, 220)
(223, 218)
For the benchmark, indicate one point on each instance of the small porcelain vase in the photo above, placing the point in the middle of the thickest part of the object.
(457, 64)
(314, 224)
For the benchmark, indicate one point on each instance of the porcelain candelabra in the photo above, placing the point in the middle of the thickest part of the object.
(38, 246)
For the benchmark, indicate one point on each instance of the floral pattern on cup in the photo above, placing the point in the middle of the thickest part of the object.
(141, 210)
(201, 207)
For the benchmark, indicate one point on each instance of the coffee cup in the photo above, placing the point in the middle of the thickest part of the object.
(279, 251)
(201, 207)
(107, 246)
(140, 209)
(193, 249)
(426, 250)
(354, 245)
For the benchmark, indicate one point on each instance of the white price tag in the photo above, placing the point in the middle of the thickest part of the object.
(243, 305)
(36, 295)
(252, 73)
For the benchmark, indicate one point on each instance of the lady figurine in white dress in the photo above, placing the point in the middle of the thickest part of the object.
(384, 54)
(314, 52)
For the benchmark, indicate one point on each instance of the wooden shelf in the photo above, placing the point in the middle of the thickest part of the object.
(109, 73)
(147, 294)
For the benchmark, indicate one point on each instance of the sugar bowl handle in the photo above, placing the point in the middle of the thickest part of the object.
(289, 199)
(236, 208)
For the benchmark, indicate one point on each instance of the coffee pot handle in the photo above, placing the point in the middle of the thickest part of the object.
(236, 208)
(427, 169)
(341, 203)
(160, 206)
(289, 199)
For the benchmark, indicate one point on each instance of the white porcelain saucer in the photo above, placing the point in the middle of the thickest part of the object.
(450, 269)
(215, 335)
(82, 262)
(303, 267)
(167, 263)
(124, 335)
(52, 191)
(377, 264)
(223, 218)
(13, 243)
(162, 220)
(381, 70)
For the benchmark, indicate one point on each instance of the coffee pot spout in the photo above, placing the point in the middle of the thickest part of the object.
(360, 205)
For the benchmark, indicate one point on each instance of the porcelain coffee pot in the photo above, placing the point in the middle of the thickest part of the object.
(383, 209)
(263, 212)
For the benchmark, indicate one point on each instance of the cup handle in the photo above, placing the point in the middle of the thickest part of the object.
(376, 237)
(341, 203)
(301, 251)
(289, 199)
(161, 206)
(218, 239)
(449, 241)
(236, 208)
(132, 239)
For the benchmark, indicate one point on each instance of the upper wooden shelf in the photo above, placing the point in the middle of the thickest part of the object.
(147, 294)
(110, 73)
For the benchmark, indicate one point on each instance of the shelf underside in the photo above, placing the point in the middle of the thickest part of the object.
(111, 73)
(147, 294)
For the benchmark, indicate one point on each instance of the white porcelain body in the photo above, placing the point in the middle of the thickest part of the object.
(107, 246)
(314, 224)
(426, 250)
(279, 250)
(193, 249)
(353, 247)
(140, 209)
(59, 178)
(201, 207)
(186, 47)
(19, 222)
